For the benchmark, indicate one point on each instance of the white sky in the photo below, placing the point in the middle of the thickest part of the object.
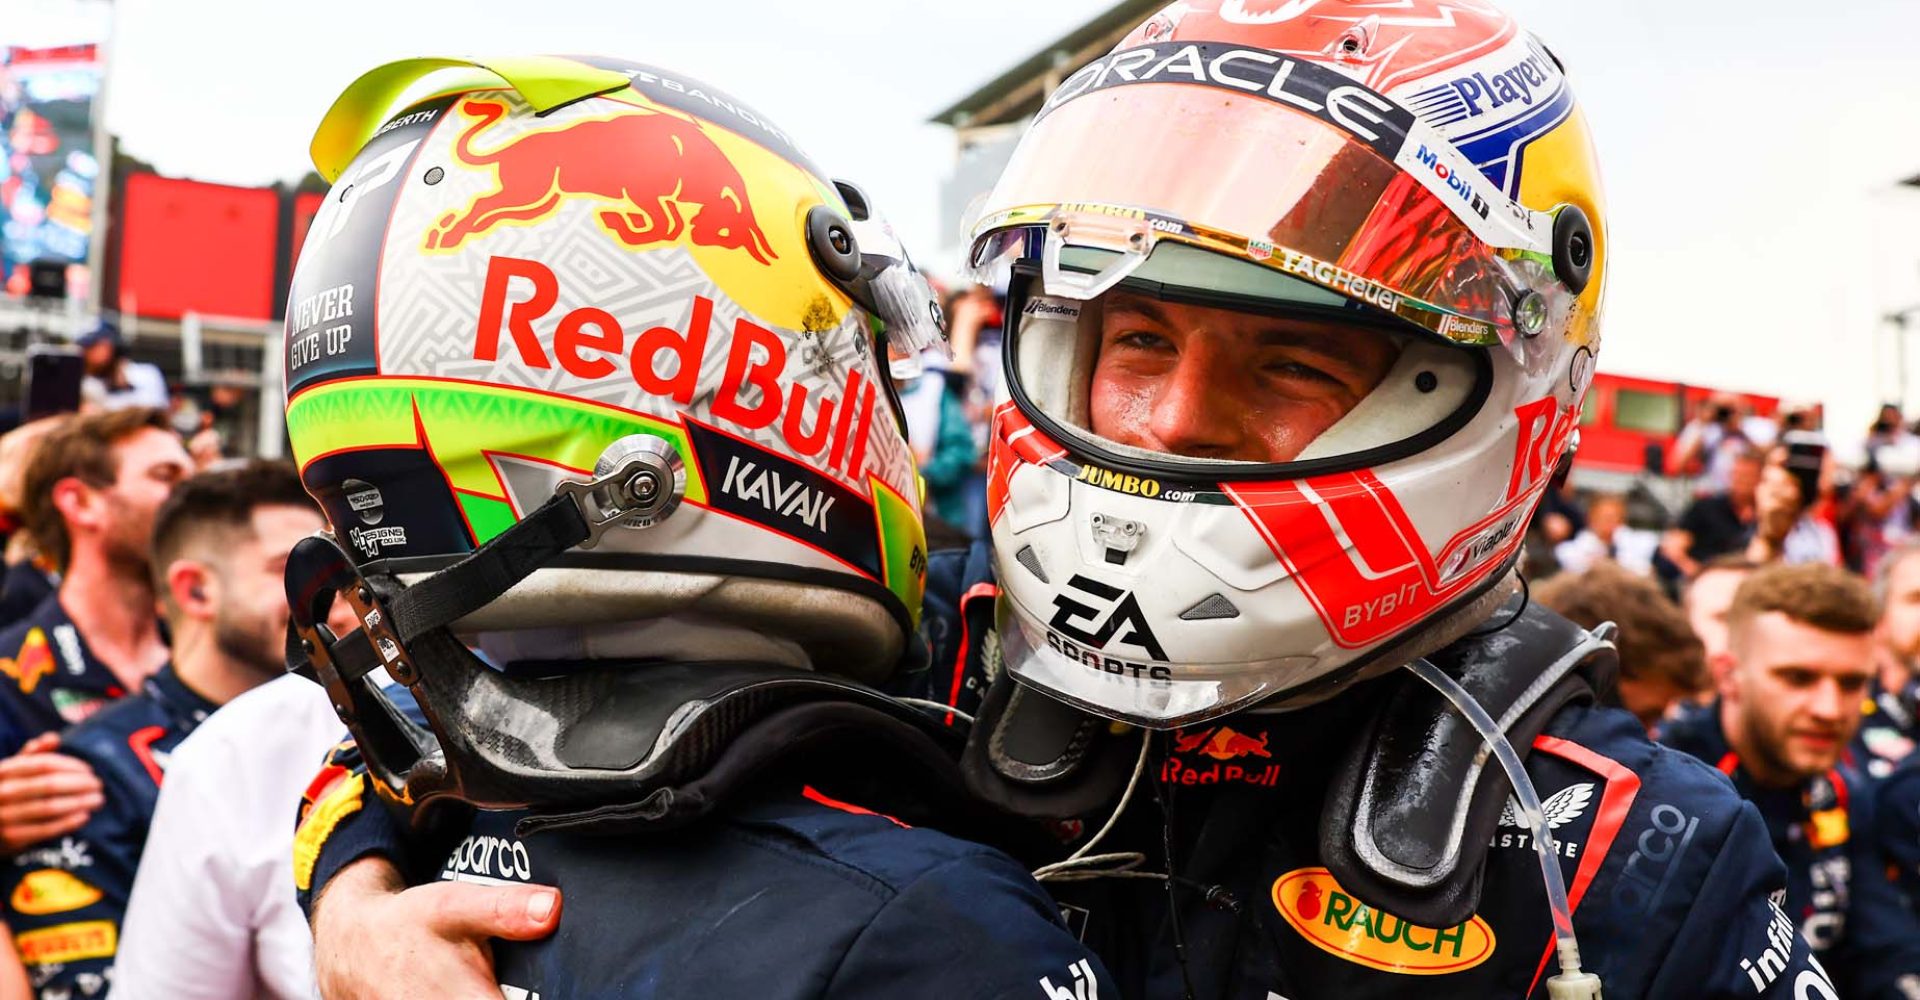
(1749, 150)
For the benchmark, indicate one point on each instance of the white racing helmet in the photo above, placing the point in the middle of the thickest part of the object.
(1409, 196)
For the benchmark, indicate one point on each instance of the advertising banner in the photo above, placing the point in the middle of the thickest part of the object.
(48, 170)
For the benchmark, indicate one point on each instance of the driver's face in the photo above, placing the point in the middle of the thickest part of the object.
(1218, 384)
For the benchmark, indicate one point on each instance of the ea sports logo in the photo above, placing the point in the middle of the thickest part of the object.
(1123, 613)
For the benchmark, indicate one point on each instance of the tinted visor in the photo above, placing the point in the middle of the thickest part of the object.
(1260, 180)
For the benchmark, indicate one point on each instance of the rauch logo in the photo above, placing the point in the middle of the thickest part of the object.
(1325, 914)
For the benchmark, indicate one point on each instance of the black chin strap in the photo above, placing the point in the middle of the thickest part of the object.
(490, 570)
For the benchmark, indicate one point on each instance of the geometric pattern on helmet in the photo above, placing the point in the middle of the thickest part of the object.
(524, 290)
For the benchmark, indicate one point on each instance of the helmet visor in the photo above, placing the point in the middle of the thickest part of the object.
(1261, 180)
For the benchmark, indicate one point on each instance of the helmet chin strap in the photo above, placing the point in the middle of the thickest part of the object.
(1439, 634)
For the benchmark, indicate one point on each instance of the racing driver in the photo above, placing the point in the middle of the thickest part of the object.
(1304, 299)
(588, 370)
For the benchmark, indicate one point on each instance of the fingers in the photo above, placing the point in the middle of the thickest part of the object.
(43, 809)
(44, 776)
(15, 837)
(372, 939)
(39, 744)
(466, 911)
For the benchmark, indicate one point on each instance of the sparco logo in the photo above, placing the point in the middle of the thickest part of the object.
(488, 859)
(1649, 870)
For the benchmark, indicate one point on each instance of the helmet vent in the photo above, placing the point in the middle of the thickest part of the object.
(1210, 608)
(1027, 558)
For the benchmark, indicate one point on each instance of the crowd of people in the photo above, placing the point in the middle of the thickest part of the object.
(752, 679)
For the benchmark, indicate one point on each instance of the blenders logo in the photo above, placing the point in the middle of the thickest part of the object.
(364, 499)
(668, 180)
(1050, 308)
(1327, 95)
(1122, 621)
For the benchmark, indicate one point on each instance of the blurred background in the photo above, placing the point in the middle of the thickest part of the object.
(1764, 189)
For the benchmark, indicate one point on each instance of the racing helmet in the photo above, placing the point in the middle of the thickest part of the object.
(1362, 244)
(608, 292)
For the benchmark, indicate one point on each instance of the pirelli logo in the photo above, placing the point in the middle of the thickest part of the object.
(65, 943)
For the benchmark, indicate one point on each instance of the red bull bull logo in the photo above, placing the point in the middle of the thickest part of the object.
(1223, 744)
(657, 177)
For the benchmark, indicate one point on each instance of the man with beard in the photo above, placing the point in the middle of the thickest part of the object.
(1798, 663)
(1286, 379)
(220, 545)
(90, 493)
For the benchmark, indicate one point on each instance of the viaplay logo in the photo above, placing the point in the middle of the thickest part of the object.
(657, 177)
(1315, 905)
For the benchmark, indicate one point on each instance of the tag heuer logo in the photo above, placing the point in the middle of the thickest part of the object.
(1560, 808)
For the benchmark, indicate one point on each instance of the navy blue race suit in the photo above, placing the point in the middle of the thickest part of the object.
(1838, 890)
(66, 896)
(790, 893)
(1670, 874)
(24, 585)
(1889, 721)
(49, 678)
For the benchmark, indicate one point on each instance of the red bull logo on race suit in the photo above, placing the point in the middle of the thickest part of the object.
(669, 181)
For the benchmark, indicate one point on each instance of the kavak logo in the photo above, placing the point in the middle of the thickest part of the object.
(50, 890)
(643, 168)
(1315, 905)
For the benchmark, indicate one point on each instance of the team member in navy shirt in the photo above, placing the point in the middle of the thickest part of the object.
(220, 545)
(90, 492)
(1799, 661)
